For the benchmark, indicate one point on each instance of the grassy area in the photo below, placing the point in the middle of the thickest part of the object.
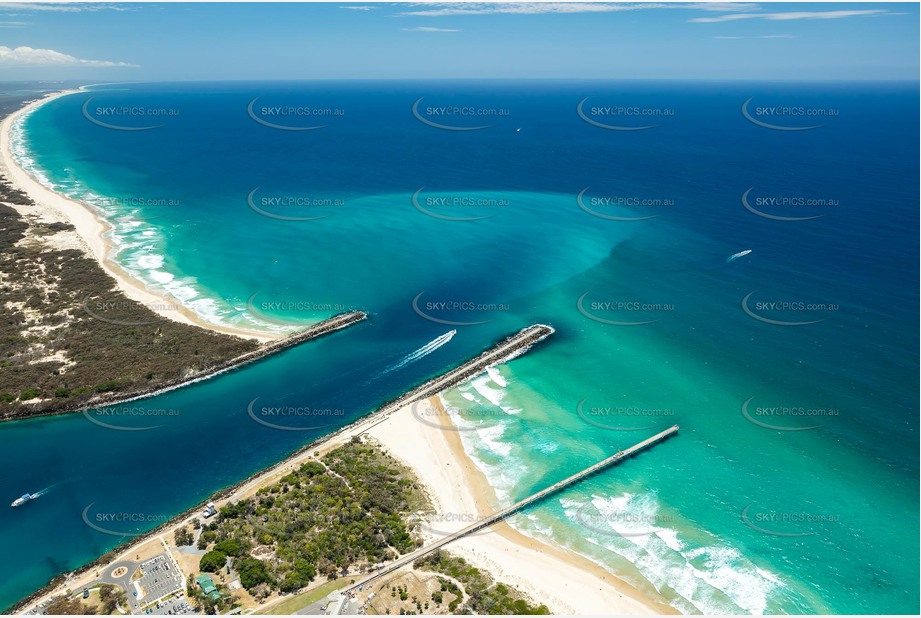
(92, 601)
(412, 592)
(102, 600)
(308, 598)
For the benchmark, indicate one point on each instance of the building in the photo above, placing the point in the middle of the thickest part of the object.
(209, 510)
(207, 587)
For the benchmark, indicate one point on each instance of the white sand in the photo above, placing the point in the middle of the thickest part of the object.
(50, 207)
(565, 582)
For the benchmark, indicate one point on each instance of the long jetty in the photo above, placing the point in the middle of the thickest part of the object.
(509, 510)
(513, 346)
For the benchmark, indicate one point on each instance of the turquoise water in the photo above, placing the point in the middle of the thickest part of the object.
(730, 516)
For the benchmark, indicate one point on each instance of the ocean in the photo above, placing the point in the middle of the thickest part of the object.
(609, 210)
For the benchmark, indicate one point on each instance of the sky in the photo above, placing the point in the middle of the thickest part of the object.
(449, 40)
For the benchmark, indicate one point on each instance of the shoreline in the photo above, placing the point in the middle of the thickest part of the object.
(530, 565)
(93, 230)
(237, 491)
(460, 491)
(504, 350)
(316, 331)
(454, 485)
(564, 581)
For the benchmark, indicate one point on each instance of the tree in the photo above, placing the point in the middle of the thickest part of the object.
(111, 597)
(207, 536)
(184, 536)
(212, 562)
(236, 509)
(232, 547)
(252, 572)
(67, 607)
(301, 575)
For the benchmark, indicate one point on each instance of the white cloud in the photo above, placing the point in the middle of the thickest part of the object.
(69, 7)
(788, 16)
(12, 24)
(29, 56)
(537, 8)
(429, 29)
(359, 8)
(722, 7)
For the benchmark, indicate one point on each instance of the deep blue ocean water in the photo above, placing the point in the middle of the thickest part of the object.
(730, 516)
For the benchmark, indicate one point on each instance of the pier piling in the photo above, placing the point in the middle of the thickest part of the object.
(509, 510)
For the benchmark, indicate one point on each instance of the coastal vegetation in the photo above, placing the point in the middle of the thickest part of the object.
(483, 594)
(212, 562)
(183, 536)
(330, 517)
(69, 607)
(111, 598)
(104, 600)
(335, 516)
(70, 338)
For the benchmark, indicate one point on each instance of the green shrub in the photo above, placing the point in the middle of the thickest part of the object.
(252, 572)
(232, 547)
(31, 393)
(107, 387)
(101, 357)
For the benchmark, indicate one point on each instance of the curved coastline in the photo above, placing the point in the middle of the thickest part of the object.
(579, 574)
(567, 582)
(93, 231)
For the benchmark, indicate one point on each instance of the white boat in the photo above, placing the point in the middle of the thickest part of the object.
(735, 256)
(20, 501)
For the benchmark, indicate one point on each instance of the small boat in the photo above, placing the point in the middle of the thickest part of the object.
(22, 500)
(736, 256)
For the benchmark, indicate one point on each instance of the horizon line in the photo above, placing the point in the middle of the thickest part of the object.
(459, 79)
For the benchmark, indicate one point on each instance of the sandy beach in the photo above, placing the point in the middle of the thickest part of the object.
(91, 232)
(565, 582)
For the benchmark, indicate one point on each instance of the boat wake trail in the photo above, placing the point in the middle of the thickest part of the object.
(425, 350)
(736, 256)
(42, 492)
(29, 497)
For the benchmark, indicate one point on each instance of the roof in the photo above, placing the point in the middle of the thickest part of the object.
(207, 586)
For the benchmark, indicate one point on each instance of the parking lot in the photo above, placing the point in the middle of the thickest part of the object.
(174, 606)
(159, 578)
